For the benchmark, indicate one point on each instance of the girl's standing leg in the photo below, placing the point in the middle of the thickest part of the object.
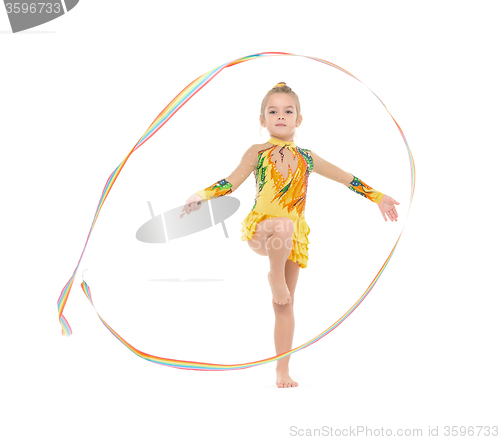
(274, 238)
(284, 327)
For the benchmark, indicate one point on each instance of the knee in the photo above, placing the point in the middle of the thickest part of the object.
(284, 311)
(257, 247)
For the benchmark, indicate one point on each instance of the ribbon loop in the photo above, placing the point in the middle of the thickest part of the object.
(181, 99)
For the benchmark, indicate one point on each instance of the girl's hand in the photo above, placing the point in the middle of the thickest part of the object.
(194, 203)
(386, 206)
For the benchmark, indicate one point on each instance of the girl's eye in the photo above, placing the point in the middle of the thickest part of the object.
(289, 111)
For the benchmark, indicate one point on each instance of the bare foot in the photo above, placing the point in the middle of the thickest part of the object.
(281, 294)
(283, 379)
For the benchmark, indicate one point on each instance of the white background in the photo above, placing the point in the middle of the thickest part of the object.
(79, 92)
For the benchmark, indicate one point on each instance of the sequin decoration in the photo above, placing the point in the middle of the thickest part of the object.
(220, 188)
(360, 187)
(282, 192)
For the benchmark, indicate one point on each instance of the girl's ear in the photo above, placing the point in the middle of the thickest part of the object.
(299, 121)
(262, 121)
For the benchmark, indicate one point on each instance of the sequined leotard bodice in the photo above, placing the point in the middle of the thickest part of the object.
(281, 175)
(281, 171)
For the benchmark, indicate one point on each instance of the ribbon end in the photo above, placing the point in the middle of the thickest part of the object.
(66, 328)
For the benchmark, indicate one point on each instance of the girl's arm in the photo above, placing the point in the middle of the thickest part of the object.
(333, 172)
(235, 179)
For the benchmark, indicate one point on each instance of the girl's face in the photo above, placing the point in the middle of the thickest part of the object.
(281, 116)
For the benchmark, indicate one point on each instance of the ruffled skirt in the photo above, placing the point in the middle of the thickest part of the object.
(300, 246)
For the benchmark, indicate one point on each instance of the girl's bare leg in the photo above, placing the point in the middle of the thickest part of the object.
(274, 237)
(284, 327)
(278, 250)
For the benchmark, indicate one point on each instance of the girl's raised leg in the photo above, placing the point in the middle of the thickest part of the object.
(274, 237)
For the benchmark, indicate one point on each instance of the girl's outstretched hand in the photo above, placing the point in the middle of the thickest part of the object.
(194, 203)
(386, 206)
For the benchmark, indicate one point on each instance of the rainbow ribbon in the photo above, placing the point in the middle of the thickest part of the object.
(182, 98)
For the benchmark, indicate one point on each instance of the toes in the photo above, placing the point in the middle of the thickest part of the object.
(287, 383)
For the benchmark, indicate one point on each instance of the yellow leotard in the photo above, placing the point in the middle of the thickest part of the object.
(281, 171)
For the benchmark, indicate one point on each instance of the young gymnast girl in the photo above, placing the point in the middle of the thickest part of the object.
(276, 226)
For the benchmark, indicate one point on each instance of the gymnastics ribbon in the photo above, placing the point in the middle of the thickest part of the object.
(181, 99)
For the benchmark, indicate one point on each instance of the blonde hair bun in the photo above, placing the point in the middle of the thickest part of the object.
(280, 84)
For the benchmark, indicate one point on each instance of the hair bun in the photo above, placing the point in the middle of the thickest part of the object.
(280, 84)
